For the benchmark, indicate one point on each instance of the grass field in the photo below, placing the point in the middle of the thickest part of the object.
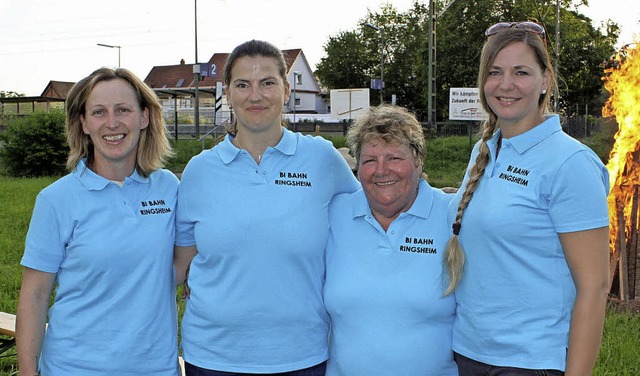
(620, 350)
(446, 160)
(17, 197)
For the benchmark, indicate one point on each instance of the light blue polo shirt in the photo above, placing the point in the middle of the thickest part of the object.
(516, 294)
(111, 248)
(261, 230)
(384, 289)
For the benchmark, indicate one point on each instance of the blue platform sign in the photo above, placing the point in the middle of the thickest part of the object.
(377, 84)
(208, 70)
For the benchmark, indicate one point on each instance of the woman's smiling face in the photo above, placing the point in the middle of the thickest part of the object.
(389, 174)
(113, 120)
(513, 88)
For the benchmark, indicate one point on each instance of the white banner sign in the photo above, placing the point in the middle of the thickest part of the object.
(464, 104)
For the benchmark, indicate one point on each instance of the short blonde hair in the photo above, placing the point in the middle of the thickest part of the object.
(391, 124)
(153, 146)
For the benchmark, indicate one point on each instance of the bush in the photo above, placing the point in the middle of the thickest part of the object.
(184, 151)
(337, 141)
(602, 139)
(34, 145)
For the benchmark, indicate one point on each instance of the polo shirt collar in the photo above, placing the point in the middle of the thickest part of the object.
(361, 205)
(421, 207)
(228, 152)
(94, 182)
(523, 142)
(424, 201)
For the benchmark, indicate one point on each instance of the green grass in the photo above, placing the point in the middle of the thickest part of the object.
(446, 160)
(184, 150)
(17, 197)
(445, 163)
(620, 350)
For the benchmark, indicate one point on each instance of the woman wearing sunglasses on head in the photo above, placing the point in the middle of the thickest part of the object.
(529, 257)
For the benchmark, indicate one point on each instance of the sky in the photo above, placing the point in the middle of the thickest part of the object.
(45, 40)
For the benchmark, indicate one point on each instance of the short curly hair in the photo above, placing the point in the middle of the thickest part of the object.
(391, 124)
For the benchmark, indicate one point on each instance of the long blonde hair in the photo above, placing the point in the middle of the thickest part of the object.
(454, 254)
(153, 146)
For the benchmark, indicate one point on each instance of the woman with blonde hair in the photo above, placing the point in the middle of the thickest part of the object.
(102, 238)
(529, 257)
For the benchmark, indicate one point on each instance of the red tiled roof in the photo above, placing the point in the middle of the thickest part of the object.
(290, 56)
(170, 75)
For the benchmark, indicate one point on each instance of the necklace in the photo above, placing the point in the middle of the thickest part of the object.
(245, 149)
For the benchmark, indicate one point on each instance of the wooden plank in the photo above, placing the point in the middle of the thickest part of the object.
(7, 324)
(633, 246)
(614, 256)
(623, 276)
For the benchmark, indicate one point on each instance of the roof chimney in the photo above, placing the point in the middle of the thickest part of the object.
(181, 61)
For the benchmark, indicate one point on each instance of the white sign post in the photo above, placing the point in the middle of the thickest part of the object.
(349, 103)
(464, 104)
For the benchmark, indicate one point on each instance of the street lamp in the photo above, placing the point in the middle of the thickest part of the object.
(380, 29)
(296, 77)
(110, 46)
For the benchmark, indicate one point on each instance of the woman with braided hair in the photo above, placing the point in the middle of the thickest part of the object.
(528, 260)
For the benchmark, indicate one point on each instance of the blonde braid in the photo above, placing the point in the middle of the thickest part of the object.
(454, 254)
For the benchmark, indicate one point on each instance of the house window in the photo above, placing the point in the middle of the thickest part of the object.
(298, 78)
(297, 102)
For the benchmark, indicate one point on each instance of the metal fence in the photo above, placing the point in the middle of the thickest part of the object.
(577, 126)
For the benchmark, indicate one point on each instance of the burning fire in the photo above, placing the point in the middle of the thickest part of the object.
(623, 84)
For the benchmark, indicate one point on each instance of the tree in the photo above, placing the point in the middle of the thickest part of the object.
(583, 49)
(583, 53)
(353, 58)
(10, 94)
(460, 35)
(403, 68)
(346, 65)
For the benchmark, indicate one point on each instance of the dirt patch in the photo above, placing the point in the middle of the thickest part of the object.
(632, 305)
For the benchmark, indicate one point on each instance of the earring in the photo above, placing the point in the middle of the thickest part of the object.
(544, 91)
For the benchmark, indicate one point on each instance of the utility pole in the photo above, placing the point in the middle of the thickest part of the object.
(380, 30)
(557, 62)
(196, 76)
(431, 99)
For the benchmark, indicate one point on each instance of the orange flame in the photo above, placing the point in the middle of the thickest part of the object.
(623, 83)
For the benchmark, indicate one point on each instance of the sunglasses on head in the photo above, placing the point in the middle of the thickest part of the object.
(528, 26)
